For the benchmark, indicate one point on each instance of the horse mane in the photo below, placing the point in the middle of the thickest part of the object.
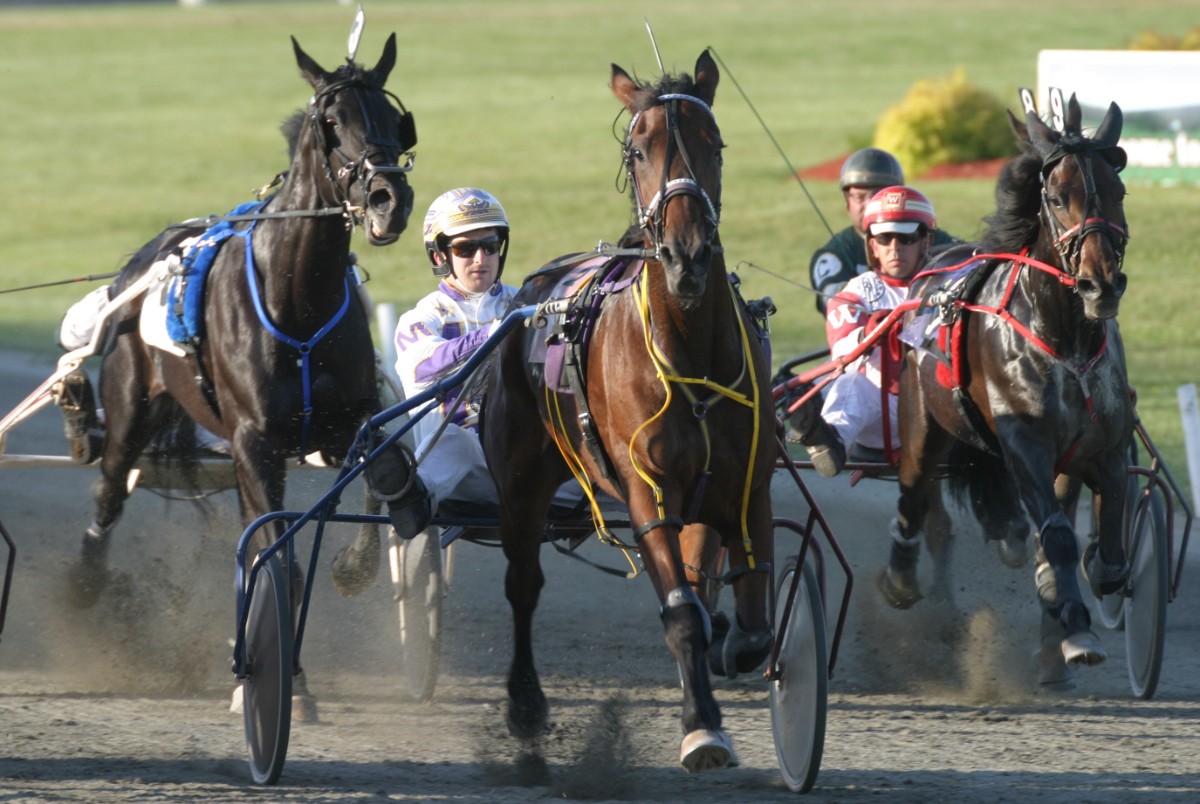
(668, 84)
(1015, 222)
(290, 129)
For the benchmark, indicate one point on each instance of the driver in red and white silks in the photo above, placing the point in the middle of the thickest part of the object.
(900, 225)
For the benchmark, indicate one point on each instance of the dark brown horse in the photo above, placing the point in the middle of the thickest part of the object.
(285, 366)
(1035, 387)
(670, 412)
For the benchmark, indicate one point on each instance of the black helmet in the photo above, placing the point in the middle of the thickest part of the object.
(870, 167)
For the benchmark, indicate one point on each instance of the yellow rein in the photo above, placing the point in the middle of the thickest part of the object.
(666, 375)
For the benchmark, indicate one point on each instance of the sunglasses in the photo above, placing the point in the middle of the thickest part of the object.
(886, 238)
(467, 248)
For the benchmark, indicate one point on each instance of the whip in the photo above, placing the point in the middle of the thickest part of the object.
(761, 122)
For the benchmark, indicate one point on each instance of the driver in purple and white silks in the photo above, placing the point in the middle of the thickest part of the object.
(466, 238)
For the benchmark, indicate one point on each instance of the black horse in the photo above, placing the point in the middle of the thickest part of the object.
(286, 364)
(1033, 383)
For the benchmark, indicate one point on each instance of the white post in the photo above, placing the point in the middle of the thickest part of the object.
(1190, 415)
(385, 320)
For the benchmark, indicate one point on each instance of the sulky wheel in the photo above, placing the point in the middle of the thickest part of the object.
(798, 693)
(417, 577)
(267, 687)
(1146, 594)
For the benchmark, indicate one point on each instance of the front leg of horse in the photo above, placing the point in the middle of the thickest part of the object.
(261, 478)
(388, 478)
(356, 564)
(1062, 602)
(687, 630)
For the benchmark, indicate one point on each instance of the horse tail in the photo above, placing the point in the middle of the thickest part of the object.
(175, 452)
(981, 479)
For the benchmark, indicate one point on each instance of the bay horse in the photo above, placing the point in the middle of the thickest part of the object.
(1036, 387)
(286, 364)
(670, 412)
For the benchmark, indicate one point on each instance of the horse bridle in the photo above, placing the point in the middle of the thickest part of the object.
(651, 215)
(363, 169)
(1069, 242)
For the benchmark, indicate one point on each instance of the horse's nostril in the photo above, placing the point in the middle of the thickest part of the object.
(1119, 284)
(1087, 287)
(381, 200)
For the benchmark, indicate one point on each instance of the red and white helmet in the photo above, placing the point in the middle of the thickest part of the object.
(898, 209)
(459, 211)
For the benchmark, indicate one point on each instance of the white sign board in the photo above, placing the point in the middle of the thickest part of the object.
(1158, 92)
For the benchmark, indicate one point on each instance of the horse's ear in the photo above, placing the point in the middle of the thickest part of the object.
(1019, 128)
(1109, 131)
(1041, 136)
(1074, 121)
(387, 61)
(313, 73)
(623, 86)
(707, 76)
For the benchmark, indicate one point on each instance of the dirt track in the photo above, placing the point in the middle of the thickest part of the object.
(128, 701)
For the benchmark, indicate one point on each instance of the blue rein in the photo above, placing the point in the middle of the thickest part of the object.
(303, 347)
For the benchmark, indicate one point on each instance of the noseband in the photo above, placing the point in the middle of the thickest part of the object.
(381, 150)
(651, 215)
(1069, 242)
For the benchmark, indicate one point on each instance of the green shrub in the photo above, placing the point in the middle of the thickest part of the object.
(1190, 39)
(1151, 39)
(945, 121)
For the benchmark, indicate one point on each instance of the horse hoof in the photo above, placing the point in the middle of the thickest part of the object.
(1083, 648)
(899, 595)
(304, 709)
(528, 712)
(1013, 551)
(707, 749)
(354, 570)
(1102, 577)
(1053, 672)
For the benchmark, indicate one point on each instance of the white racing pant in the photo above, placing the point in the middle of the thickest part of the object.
(454, 468)
(853, 407)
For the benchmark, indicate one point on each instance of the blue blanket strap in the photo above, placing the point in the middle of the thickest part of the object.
(303, 347)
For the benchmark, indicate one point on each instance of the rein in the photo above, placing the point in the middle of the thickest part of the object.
(1002, 311)
(667, 375)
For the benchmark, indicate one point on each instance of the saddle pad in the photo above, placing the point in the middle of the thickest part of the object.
(185, 295)
(936, 329)
(551, 350)
(152, 321)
